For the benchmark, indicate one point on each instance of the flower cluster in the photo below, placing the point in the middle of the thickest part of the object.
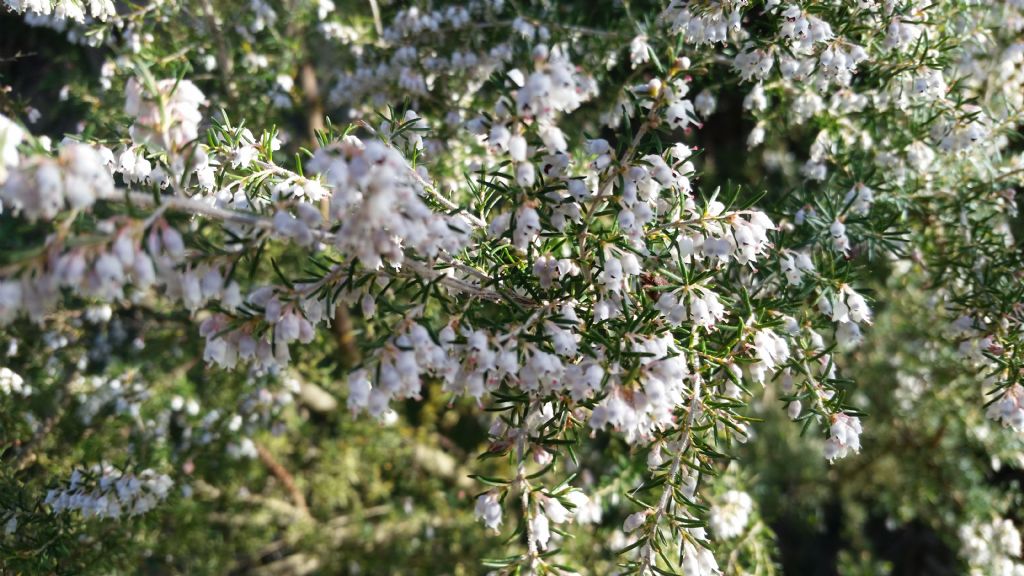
(1009, 410)
(166, 112)
(65, 9)
(641, 409)
(106, 492)
(844, 436)
(377, 198)
(992, 547)
(542, 238)
(11, 383)
(75, 179)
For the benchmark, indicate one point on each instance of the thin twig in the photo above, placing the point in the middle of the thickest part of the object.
(673, 473)
(603, 191)
(524, 486)
(225, 66)
(285, 477)
(378, 24)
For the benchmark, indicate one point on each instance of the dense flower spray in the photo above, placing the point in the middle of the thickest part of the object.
(539, 234)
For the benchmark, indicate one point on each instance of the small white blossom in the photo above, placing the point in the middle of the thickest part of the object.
(730, 514)
(488, 510)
